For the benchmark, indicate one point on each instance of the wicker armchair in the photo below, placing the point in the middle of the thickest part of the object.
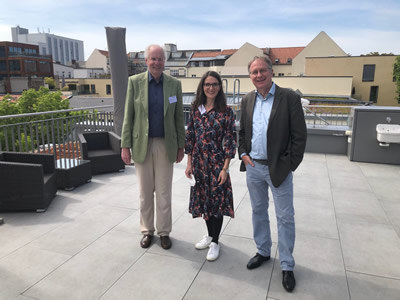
(27, 181)
(103, 149)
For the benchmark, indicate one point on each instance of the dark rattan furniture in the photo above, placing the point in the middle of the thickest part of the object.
(72, 173)
(27, 181)
(103, 149)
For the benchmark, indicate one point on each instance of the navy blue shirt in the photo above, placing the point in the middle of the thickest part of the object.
(156, 107)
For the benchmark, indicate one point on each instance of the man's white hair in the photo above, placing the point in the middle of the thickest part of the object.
(147, 50)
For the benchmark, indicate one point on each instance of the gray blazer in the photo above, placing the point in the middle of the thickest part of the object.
(286, 134)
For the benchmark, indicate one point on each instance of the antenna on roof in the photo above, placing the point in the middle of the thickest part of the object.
(38, 30)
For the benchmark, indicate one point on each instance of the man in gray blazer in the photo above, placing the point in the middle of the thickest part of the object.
(272, 139)
(153, 129)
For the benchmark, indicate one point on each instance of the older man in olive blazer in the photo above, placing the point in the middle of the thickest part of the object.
(153, 129)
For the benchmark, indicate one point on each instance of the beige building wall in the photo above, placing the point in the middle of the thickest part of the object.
(98, 60)
(321, 46)
(354, 66)
(286, 70)
(100, 85)
(308, 86)
(237, 63)
(199, 71)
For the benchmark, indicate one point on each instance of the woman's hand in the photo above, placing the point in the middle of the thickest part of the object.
(188, 171)
(222, 177)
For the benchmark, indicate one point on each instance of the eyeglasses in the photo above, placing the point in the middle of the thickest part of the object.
(261, 71)
(214, 85)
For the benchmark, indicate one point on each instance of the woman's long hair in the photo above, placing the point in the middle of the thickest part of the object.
(201, 98)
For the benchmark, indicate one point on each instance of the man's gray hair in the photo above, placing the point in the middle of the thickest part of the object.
(264, 58)
(147, 50)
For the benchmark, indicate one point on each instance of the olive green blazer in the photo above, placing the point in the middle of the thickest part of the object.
(135, 127)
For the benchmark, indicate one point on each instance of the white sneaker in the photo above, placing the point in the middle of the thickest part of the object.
(213, 253)
(204, 243)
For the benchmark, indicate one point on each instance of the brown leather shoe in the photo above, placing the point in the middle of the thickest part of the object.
(146, 241)
(165, 242)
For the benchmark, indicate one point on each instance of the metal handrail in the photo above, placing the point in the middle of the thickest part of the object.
(53, 112)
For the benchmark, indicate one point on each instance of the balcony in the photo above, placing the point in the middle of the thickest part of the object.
(86, 246)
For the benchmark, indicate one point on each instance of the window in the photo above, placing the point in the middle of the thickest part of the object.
(373, 95)
(14, 65)
(368, 73)
(108, 89)
(3, 65)
(353, 91)
(71, 47)
(56, 50)
(281, 74)
(30, 66)
(44, 67)
(174, 73)
(62, 52)
(93, 89)
(76, 51)
(50, 45)
(67, 50)
(2, 51)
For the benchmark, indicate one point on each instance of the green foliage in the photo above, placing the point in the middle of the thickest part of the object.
(377, 54)
(30, 101)
(8, 106)
(50, 81)
(396, 76)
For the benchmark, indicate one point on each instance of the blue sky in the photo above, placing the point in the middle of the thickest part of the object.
(358, 27)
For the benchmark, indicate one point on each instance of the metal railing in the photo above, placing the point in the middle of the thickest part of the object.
(54, 132)
(328, 115)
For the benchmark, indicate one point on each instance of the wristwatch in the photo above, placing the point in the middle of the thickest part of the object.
(226, 170)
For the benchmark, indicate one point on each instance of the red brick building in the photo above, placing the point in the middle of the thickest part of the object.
(23, 60)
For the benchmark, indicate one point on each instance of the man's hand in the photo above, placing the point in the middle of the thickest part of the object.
(126, 155)
(180, 155)
(247, 160)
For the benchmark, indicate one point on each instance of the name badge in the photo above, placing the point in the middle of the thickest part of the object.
(172, 99)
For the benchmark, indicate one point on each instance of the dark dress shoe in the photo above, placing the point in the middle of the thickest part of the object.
(165, 242)
(288, 280)
(256, 261)
(146, 241)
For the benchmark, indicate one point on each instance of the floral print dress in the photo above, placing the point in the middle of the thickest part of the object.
(210, 139)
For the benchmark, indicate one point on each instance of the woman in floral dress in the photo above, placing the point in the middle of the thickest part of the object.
(210, 145)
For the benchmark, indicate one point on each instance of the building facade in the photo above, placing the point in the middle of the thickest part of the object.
(63, 50)
(373, 79)
(19, 60)
(99, 59)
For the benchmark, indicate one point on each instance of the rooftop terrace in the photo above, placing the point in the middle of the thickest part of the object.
(86, 246)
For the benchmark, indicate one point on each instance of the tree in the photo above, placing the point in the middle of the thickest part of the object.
(50, 82)
(396, 76)
(30, 101)
(8, 106)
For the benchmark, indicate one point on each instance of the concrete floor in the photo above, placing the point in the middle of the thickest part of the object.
(86, 246)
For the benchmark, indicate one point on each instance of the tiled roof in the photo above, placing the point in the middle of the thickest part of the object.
(105, 53)
(206, 54)
(283, 54)
(228, 51)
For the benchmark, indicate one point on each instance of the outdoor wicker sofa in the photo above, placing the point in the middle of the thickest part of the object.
(103, 149)
(27, 181)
